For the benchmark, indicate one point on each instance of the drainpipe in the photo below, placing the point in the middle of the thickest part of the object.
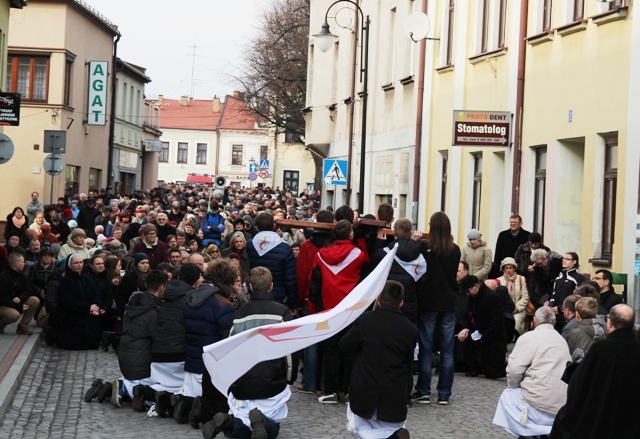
(275, 158)
(517, 137)
(352, 98)
(419, 109)
(112, 126)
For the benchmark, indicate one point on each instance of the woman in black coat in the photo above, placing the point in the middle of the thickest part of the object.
(75, 322)
(16, 221)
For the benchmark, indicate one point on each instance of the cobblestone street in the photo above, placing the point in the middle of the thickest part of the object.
(49, 404)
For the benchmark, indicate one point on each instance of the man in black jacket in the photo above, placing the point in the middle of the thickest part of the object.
(383, 341)
(258, 399)
(483, 332)
(509, 240)
(134, 351)
(168, 348)
(15, 296)
(602, 398)
(608, 297)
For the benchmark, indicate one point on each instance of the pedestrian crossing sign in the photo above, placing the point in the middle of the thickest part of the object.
(264, 164)
(334, 172)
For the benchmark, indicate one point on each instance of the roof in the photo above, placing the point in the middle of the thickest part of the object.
(197, 115)
(236, 115)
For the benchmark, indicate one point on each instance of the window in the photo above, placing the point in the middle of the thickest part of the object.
(615, 4)
(477, 190)
(450, 21)
(540, 189)
(291, 181)
(95, 176)
(183, 152)
(443, 188)
(164, 153)
(484, 41)
(264, 152)
(68, 80)
(502, 24)
(201, 154)
(578, 10)
(609, 198)
(28, 75)
(236, 155)
(546, 15)
(391, 52)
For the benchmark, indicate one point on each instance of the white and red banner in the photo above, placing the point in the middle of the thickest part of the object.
(229, 359)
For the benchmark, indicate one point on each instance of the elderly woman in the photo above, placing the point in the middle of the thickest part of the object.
(477, 255)
(38, 223)
(16, 221)
(75, 245)
(237, 245)
(517, 287)
(75, 321)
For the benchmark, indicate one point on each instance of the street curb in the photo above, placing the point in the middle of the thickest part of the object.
(13, 378)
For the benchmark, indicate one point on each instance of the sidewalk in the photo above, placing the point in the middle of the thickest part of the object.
(15, 353)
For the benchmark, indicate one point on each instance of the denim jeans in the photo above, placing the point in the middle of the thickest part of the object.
(241, 431)
(310, 375)
(429, 324)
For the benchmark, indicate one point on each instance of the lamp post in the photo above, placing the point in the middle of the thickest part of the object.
(324, 41)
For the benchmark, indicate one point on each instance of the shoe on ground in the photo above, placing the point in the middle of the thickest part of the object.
(105, 341)
(419, 398)
(163, 403)
(330, 398)
(344, 398)
(93, 390)
(303, 389)
(220, 422)
(115, 396)
(401, 433)
(180, 410)
(104, 392)
(137, 402)
(152, 412)
(443, 401)
(258, 430)
(196, 413)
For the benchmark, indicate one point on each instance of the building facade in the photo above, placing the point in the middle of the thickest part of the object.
(563, 73)
(49, 69)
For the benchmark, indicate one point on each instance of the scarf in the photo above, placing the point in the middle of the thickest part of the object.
(511, 286)
(18, 222)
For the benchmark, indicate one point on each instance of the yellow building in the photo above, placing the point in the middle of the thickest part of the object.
(50, 69)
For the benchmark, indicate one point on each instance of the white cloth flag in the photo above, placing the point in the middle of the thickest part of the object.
(229, 359)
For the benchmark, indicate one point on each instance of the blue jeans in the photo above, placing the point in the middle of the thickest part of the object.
(310, 375)
(429, 324)
(241, 431)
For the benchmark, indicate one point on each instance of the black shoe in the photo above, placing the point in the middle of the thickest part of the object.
(401, 433)
(195, 413)
(105, 341)
(258, 431)
(137, 401)
(48, 336)
(93, 390)
(220, 422)
(104, 392)
(181, 409)
(163, 403)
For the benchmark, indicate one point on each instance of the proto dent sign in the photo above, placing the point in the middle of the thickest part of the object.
(481, 128)
(97, 114)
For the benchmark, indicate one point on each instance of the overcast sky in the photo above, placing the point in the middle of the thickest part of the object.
(160, 35)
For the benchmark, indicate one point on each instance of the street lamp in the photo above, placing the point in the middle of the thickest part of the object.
(324, 40)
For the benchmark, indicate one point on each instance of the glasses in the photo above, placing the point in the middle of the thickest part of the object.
(567, 259)
(597, 278)
(214, 251)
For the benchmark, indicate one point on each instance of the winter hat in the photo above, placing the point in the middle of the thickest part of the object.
(45, 228)
(55, 248)
(72, 224)
(535, 238)
(474, 234)
(114, 244)
(148, 228)
(77, 232)
(508, 261)
(139, 257)
(233, 256)
(90, 242)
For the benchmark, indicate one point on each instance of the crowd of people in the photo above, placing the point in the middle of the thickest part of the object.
(160, 274)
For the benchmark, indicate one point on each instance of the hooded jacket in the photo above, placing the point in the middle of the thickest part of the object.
(336, 271)
(70, 248)
(140, 319)
(581, 338)
(409, 268)
(304, 266)
(208, 317)
(168, 338)
(268, 250)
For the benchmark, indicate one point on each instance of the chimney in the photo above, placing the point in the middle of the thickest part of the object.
(184, 101)
(160, 100)
(216, 105)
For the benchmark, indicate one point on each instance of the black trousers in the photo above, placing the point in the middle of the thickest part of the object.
(337, 366)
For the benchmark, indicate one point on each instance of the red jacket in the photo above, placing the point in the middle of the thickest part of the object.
(336, 271)
(305, 264)
(157, 253)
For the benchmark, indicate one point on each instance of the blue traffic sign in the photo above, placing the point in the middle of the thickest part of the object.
(334, 172)
(264, 164)
(253, 167)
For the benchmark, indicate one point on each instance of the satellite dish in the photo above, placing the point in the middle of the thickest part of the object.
(417, 26)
